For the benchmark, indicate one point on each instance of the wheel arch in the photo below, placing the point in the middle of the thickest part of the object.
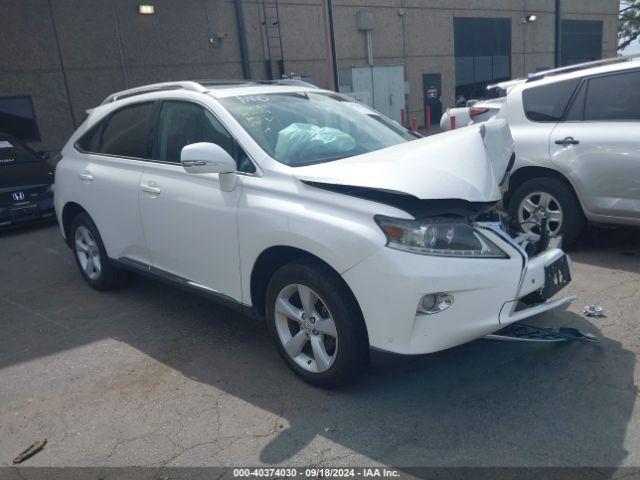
(523, 174)
(69, 212)
(270, 260)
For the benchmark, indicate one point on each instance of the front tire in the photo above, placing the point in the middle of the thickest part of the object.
(91, 257)
(551, 196)
(316, 324)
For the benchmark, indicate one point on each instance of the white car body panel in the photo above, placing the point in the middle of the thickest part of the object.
(417, 168)
(91, 181)
(212, 239)
(191, 227)
(463, 114)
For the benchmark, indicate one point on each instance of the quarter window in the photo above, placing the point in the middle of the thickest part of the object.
(601, 104)
(547, 103)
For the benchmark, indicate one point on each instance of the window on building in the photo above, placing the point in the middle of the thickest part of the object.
(18, 119)
(547, 103)
(483, 54)
(624, 105)
(581, 41)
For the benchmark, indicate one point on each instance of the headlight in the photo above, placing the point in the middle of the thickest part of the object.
(439, 236)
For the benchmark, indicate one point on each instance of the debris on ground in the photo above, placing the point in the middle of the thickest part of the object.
(593, 311)
(529, 333)
(30, 451)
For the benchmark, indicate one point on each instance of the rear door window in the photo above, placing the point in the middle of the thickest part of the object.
(547, 103)
(613, 97)
(12, 152)
(124, 133)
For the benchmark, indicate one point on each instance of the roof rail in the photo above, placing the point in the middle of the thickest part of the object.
(289, 81)
(580, 66)
(156, 87)
(233, 82)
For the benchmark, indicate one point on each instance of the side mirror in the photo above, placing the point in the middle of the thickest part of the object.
(206, 157)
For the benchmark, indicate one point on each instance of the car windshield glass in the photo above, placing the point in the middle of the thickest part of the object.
(12, 153)
(303, 128)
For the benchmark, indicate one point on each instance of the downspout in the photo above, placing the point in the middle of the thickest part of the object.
(332, 37)
(62, 68)
(558, 34)
(242, 33)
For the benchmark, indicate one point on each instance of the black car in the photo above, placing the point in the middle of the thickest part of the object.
(26, 184)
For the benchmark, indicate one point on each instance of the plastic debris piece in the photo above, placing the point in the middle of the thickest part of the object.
(30, 451)
(528, 333)
(593, 311)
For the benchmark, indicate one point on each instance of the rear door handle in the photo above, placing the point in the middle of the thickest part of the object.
(86, 176)
(150, 188)
(567, 141)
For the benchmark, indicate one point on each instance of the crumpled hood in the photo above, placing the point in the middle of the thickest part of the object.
(466, 164)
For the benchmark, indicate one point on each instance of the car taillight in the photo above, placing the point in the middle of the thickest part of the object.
(477, 111)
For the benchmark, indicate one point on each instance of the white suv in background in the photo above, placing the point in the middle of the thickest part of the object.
(340, 228)
(577, 139)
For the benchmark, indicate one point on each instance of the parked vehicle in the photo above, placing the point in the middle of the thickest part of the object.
(26, 183)
(474, 112)
(302, 207)
(577, 155)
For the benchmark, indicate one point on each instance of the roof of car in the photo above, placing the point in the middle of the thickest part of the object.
(217, 88)
(574, 71)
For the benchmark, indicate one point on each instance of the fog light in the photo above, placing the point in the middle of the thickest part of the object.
(434, 303)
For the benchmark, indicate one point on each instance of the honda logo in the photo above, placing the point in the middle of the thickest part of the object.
(17, 196)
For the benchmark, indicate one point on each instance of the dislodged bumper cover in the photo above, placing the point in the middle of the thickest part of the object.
(466, 164)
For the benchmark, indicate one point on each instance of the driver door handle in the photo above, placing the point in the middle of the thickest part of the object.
(150, 188)
(567, 141)
(86, 176)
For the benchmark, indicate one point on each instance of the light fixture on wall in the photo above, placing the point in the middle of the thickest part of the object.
(146, 9)
(528, 19)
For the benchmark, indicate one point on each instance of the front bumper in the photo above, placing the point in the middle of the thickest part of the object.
(389, 284)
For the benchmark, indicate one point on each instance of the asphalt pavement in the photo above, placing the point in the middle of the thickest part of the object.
(151, 375)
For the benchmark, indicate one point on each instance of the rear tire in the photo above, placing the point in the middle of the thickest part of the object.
(563, 202)
(325, 341)
(91, 257)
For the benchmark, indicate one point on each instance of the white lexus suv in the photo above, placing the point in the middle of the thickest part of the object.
(338, 227)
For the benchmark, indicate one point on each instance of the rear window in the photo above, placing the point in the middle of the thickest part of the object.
(12, 152)
(124, 133)
(547, 103)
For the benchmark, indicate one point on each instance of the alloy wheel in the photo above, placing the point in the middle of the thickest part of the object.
(534, 207)
(306, 328)
(88, 252)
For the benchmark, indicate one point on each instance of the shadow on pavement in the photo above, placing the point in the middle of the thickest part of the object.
(484, 403)
(619, 248)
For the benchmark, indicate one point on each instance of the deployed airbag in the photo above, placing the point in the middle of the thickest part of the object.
(300, 140)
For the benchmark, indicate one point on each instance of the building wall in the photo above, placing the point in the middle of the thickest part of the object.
(70, 54)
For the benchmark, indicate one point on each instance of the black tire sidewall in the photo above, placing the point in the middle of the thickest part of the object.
(352, 342)
(572, 217)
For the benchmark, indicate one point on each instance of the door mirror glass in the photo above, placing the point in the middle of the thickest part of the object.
(206, 157)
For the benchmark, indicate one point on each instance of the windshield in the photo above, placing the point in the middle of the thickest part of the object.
(302, 128)
(12, 153)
